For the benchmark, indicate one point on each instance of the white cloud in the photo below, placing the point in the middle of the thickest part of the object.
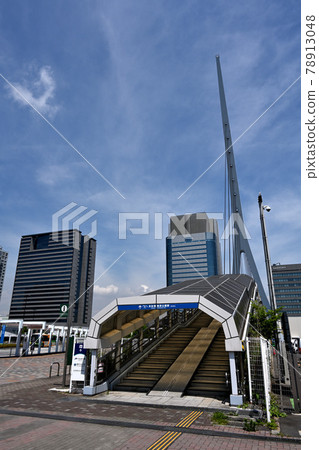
(54, 174)
(145, 288)
(39, 92)
(110, 289)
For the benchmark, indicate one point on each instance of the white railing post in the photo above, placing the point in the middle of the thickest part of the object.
(249, 371)
(265, 366)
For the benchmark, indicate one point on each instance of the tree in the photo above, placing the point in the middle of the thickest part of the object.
(263, 321)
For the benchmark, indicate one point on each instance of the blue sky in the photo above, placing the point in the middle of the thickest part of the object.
(132, 85)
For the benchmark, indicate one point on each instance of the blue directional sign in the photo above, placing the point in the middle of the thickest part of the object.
(142, 307)
(3, 331)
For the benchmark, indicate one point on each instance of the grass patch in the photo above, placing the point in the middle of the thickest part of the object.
(219, 418)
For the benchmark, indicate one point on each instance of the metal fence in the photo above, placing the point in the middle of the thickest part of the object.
(272, 373)
(286, 380)
(259, 381)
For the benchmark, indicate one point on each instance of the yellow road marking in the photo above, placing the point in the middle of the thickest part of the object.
(180, 424)
(153, 446)
(165, 441)
(168, 438)
(188, 420)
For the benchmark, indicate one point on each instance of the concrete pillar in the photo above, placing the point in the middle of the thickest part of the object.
(235, 398)
(28, 342)
(93, 368)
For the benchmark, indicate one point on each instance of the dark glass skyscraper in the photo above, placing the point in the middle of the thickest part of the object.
(287, 284)
(54, 269)
(192, 248)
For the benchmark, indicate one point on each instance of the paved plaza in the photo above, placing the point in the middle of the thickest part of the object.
(36, 414)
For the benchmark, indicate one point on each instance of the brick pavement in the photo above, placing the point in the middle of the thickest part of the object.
(35, 397)
(37, 434)
(28, 368)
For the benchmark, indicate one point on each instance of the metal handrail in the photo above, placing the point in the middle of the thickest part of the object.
(52, 366)
(131, 348)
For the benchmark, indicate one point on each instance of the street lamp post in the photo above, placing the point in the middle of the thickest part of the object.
(272, 297)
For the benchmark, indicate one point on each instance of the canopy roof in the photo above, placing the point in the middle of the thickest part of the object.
(226, 298)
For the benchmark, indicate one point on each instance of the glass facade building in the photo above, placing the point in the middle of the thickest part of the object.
(287, 284)
(54, 269)
(192, 248)
(3, 265)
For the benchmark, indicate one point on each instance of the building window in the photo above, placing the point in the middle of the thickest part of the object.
(40, 242)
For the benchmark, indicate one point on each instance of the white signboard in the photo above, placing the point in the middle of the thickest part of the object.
(78, 361)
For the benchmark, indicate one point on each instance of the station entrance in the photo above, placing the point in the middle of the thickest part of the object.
(184, 339)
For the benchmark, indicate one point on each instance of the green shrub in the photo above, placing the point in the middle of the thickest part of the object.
(274, 407)
(249, 425)
(272, 425)
(220, 418)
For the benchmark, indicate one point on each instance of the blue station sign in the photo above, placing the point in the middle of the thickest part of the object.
(145, 306)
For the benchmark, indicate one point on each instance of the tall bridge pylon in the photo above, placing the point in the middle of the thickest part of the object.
(240, 239)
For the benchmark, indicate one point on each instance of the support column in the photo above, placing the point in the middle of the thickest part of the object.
(28, 342)
(63, 339)
(93, 368)
(19, 338)
(50, 339)
(235, 398)
(40, 341)
(57, 341)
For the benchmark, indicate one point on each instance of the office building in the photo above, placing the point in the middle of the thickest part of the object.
(287, 284)
(3, 265)
(54, 269)
(192, 248)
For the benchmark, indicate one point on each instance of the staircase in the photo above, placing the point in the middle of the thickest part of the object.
(145, 376)
(209, 379)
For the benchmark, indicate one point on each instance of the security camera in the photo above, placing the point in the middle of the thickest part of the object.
(267, 208)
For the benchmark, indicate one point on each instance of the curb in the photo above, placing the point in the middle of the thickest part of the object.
(149, 426)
